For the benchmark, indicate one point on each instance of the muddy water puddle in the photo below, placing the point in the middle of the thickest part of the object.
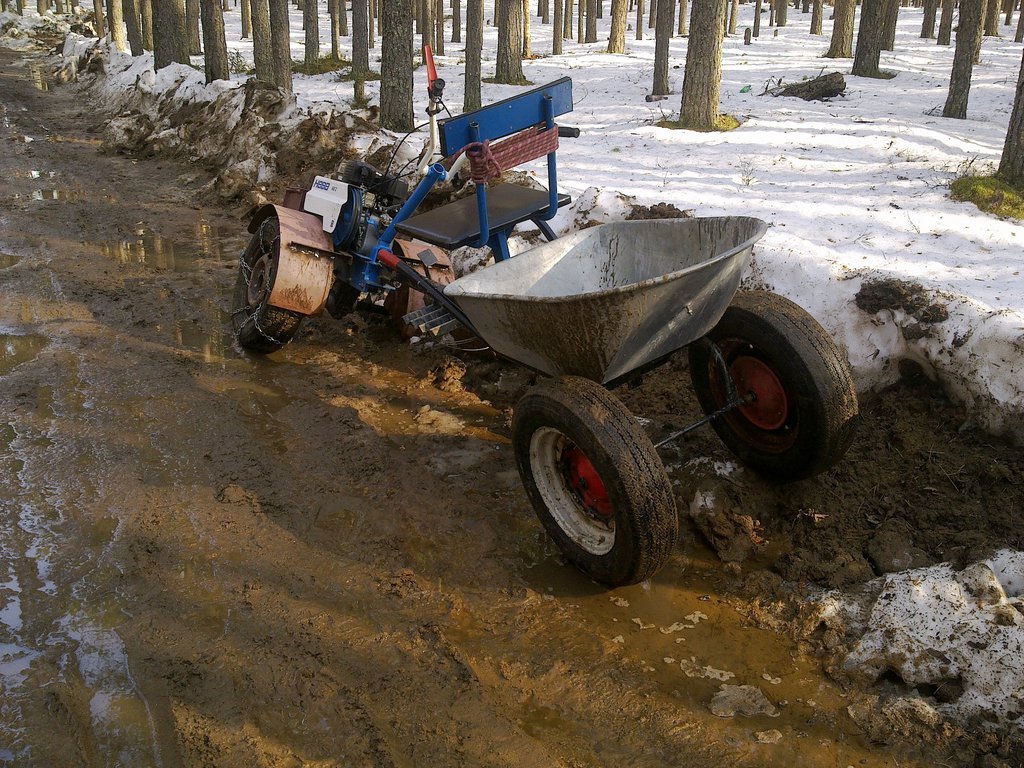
(15, 350)
(8, 260)
(148, 248)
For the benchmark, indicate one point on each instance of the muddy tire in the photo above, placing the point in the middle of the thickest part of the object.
(595, 480)
(804, 411)
(258, 326)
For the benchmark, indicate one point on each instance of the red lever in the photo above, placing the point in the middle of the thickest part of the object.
(428, 58)
(387, 258)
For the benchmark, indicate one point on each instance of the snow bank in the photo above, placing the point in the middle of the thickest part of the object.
(957, 637)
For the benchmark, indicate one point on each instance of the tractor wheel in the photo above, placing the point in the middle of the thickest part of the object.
(595, 480)
(802, 406)
(258, 326)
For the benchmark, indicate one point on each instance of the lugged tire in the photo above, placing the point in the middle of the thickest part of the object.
(822, 411)
(642, 524)
(261, 328)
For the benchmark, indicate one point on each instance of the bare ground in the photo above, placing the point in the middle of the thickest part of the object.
(222, 560)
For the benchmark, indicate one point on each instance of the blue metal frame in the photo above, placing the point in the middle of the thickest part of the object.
(495, 121)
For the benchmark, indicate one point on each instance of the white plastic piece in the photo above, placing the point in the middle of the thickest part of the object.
(326, 198)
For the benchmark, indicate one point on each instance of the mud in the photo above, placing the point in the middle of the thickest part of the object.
(325, 557)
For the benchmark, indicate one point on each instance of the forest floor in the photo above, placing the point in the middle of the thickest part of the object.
(325, 557)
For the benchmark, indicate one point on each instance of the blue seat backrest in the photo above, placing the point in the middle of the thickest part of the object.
(506, 117)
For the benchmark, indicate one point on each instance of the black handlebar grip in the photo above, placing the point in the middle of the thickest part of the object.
(568, 132)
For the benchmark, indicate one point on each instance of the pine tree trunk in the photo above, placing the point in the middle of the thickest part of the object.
(703, 74)
(869, 39)
(928, 19)
(509, 63)
(195, 46)
(360, 39)
(396, 65)
(734, 11)
(146, 9)
(427, 35)
(170, 35)
(581, 15)
(115, 21)
(334, 26)
(311, 26)
(662, 38)
(842, 30)
(19, 7)
(890, 17)
(816, 14)
(1011, 165)
(371, 20)
(214, 43)
(683, 29)
(567, 20)
(556, 28)
(591, 22)
(527, 47)
(97, 9)
(640, 19)
(130, 9)
(992, 18)
(1019, 37)
(262, 58)
(246, 20)
(280, 48)
(474, 46)
(617, 36)
(439, 27)
(456, 21)
(781, 13)
(968, 40)
(757, 18)
(1008, 7)
(945, 23)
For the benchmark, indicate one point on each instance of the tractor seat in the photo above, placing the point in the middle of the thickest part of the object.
(456, 224)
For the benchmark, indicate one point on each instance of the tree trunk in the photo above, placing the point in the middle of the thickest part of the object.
(734, 11)
(280, 48)
(928, 19)
(1019, 37)
(992, 18)
(556, 28)
(474, 46)
(396, 65)
(439, 27)
(683, 30)
(146, 10)
(869, 39)
(781, 12)
(311, 26)
(246, 19)
(662, 38)
(890, 16)
(968, 39)
(945, 23)
(509, 63)
(130, 9)
(372, 14)
(640, 19)
(427, 36)
(567, 21)
(842, 30)
(1008, 9)
(360, 40)
(816, 14)
(703, 74)
(195, 46)
(170, 36)
(214, 43)
(581, 16)
(262, 59)
(591, 22)
(757, 18)
(1011, 165)
(617, 36)
(456, 21)
(115, 21)
(97, 9)
(527, 49)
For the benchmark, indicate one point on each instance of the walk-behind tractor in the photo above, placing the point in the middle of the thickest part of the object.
(590, 311)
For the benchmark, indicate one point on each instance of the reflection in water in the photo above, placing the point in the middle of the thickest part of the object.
(15, 350)
(211, 337)
(7, 260)
(35, 74)
(68, 195)
(152, 250)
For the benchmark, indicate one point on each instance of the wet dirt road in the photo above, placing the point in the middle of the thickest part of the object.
(212, 559)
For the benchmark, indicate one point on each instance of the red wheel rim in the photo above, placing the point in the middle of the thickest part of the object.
(585, 483)
(770, 407)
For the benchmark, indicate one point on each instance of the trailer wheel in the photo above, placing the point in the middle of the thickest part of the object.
(595, 480)
(802, 406)
(258, 326)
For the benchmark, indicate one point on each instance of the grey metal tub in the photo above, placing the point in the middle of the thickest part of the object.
(608, 300)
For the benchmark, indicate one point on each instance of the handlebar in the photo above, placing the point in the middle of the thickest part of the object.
(568, 132)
